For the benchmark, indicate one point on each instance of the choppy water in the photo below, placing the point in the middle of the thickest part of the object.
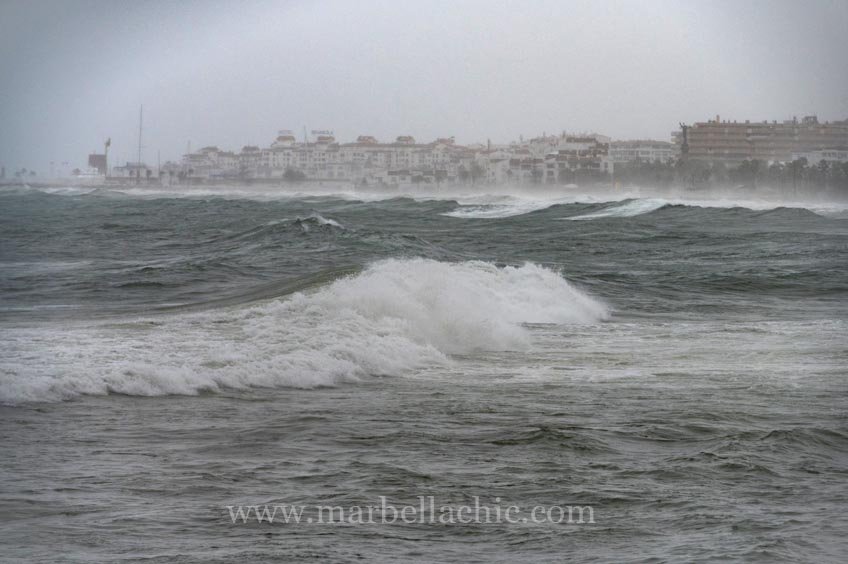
(679, 366)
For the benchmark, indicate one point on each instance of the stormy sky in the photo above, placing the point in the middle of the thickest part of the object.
(74, 72)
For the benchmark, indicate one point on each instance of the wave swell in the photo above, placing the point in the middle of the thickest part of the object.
(630, 208)
(317, 220)
(391, 318)
(498, 207)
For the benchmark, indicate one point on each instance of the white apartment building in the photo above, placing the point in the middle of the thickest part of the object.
(642, 151)
(403, 161)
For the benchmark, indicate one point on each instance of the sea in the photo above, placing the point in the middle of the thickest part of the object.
(675, 365)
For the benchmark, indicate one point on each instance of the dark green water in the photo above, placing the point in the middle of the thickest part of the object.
(678, 367)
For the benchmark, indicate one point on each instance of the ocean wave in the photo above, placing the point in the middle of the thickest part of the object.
(483, 202)
(628, 203)
(790, 213)
(317, 220)
(630, 208)
(487, 202)
(497, 207)
(391, 318)
(271, 228)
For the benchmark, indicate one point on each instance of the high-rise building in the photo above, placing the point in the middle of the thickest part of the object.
(731, 141)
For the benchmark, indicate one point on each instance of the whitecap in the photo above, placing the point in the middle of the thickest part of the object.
(392, 318)
(627, 209)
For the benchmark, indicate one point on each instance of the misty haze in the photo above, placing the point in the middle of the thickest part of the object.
(426, 281)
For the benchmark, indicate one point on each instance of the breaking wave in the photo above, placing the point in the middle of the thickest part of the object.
(317, 220)
(393, 317)
(627, 209)
(490, 202)
(496, 207)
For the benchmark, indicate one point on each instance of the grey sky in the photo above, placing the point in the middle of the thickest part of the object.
(73, 73)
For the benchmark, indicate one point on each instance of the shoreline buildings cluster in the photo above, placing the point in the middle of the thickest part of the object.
(547, 159)
(368, 161)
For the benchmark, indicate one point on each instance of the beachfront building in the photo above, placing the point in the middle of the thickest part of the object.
(525, 168)
(642, 151)
(579, 157)
(733, 142)
(368, 161)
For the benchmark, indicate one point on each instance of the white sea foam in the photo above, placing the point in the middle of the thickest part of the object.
(626, 209)
(394, 317)
(318, 219)
(495, 207)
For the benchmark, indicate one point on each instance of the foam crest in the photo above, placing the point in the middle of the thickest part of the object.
(626, 209)
(394, 317)
(492, 207)
(317, 220)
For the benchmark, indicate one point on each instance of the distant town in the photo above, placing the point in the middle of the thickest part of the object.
(714, 149)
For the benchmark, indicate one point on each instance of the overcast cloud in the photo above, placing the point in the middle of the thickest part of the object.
(227, 73)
